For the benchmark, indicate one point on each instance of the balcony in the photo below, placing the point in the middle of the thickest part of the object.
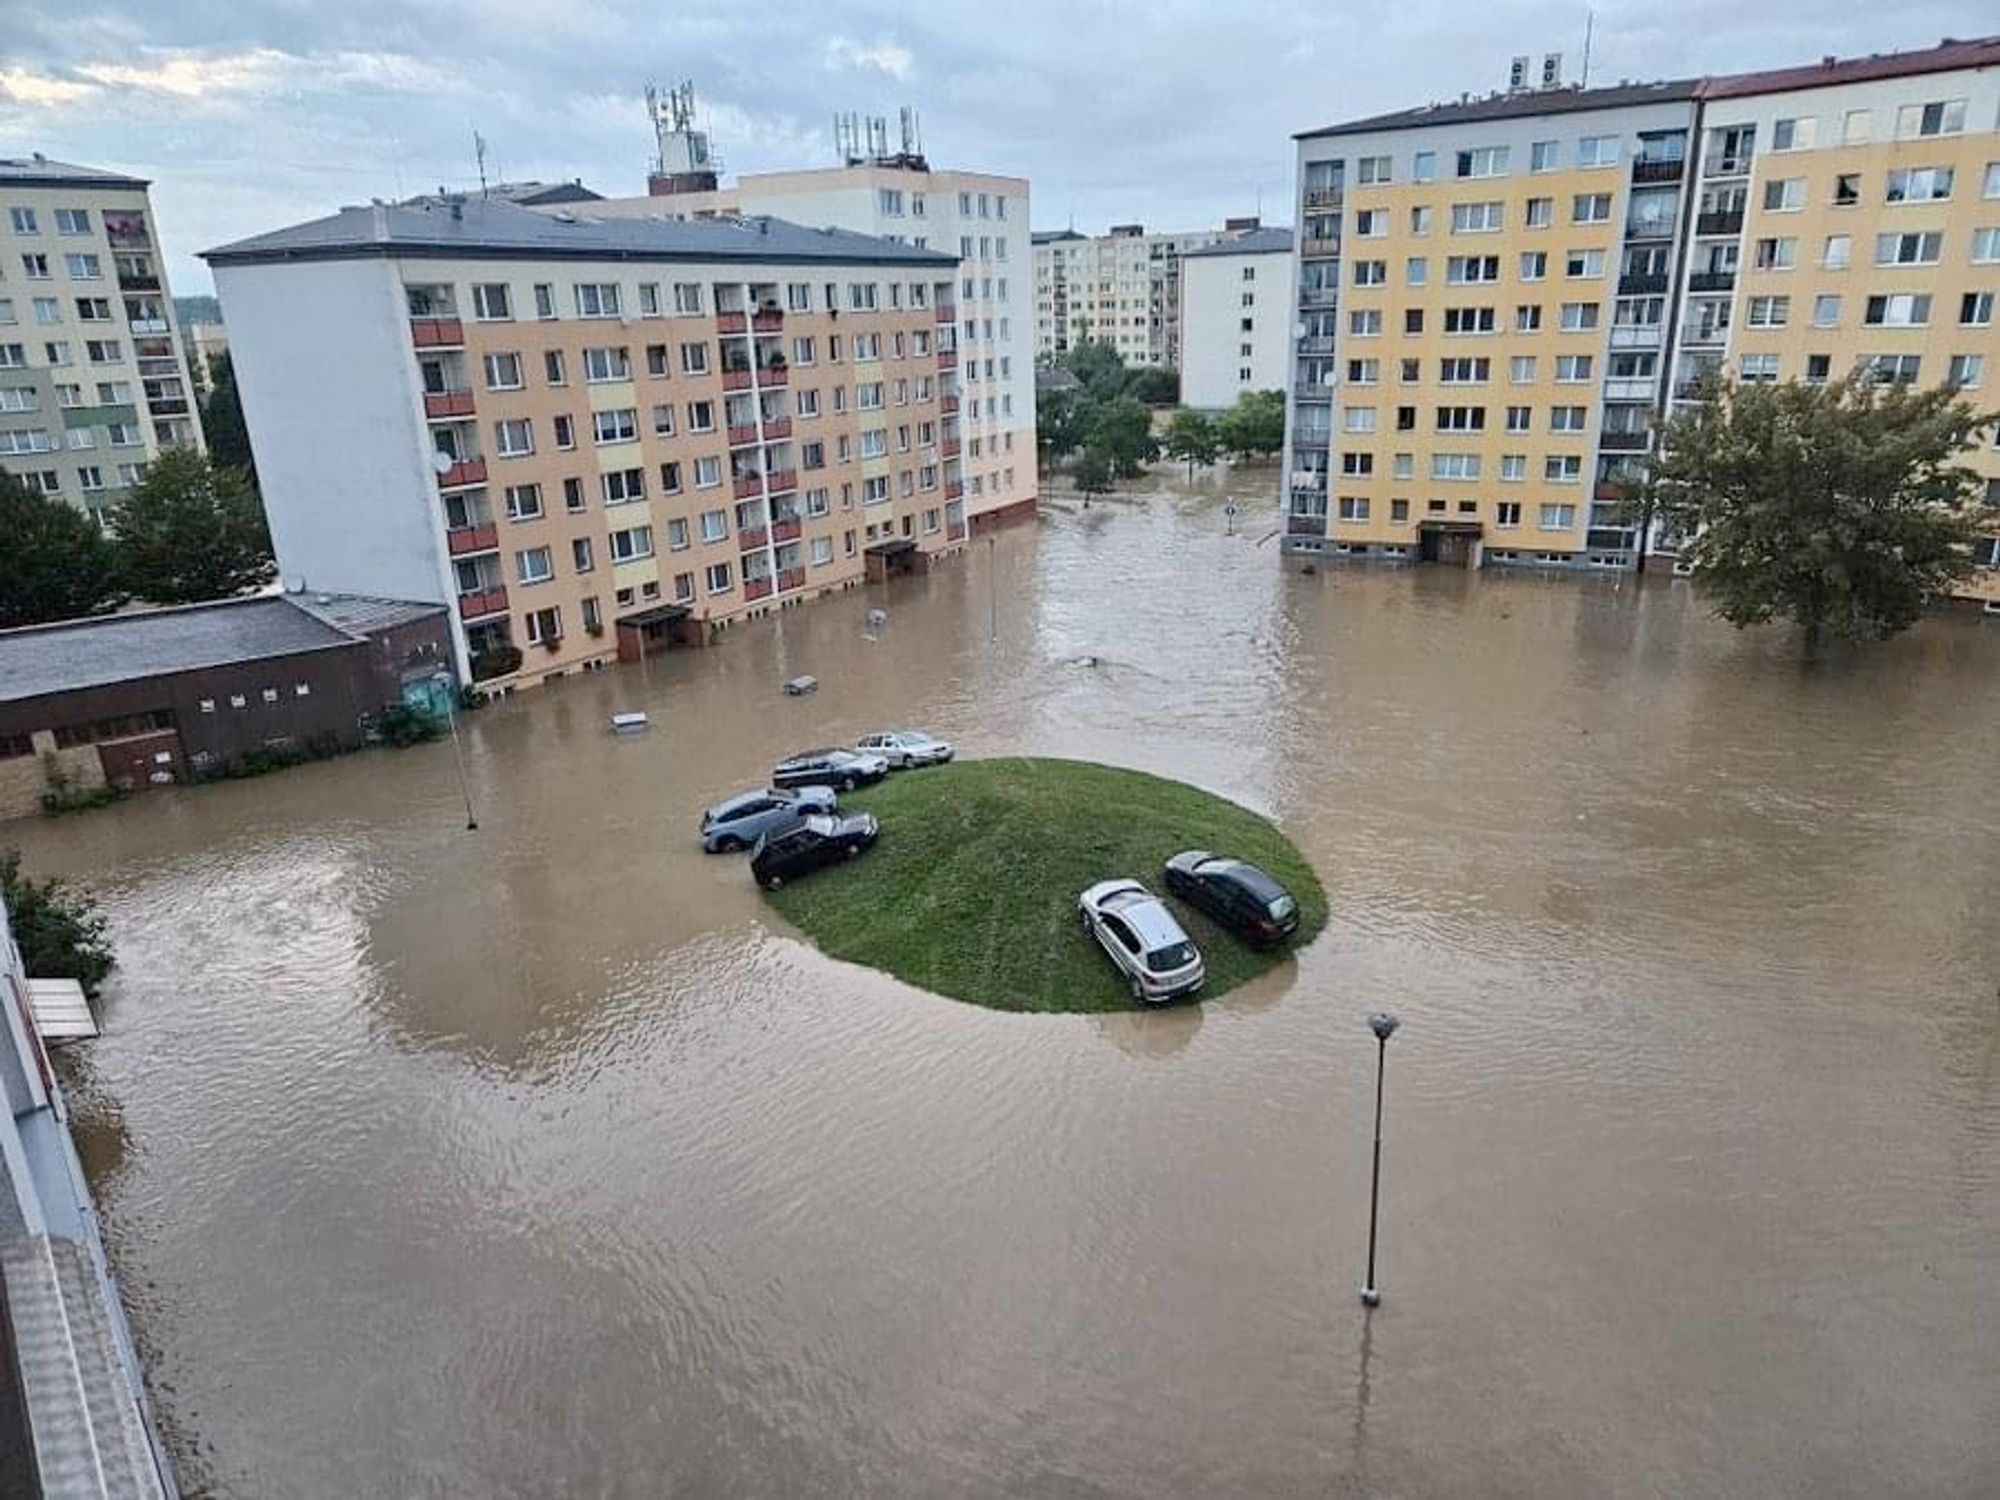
(1319, 246)
(148, 325)
(781, 480)
(1687, 390)
(950, 447)
(946, 312)
(1314, 391)
(1297, 525)
(1316, 344)
(1712, 281)
(1727, 166)
(768, 375)
(732, 322)
(955, 531)
(777, 429)
(954, 489)
(948, 404)
(742, 436)
(791, 578)
(1610, 538)
(1635, 336)
(1719, 221)
(756, 588)
(749, 486)
(1327, 198)
(463, 541)
(786, 529)
(1311, 439)
(752, 539)
(467, 471)
(767, 320)
(134, 281)
(1624, 442)
(437, 333)
(1318, 296)
(947, 359)
(737, 379)
(440, 405)
(167, 406)
(1630, 388)
(1657, 168)
(1643, 284)
(480, 603)
(124, 231)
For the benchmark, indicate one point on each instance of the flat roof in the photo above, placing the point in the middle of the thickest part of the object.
(39, 660)
(1271, 241)
(37, 170)
(1515, 107)
(486, 228)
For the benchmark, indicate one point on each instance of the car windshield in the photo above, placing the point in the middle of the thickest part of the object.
(1282, 908)
(1173, 956)
(824, 827)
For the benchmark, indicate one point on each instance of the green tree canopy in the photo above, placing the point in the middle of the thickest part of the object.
(1098, 366)
(1059, 421)
(1255, 426)
(1191, 437)
(1092, 472)
(59, 931)
(1153, 386)
(190, 531)
(55, 564)
(1840, 506)
(222, 420)
(1122, 430)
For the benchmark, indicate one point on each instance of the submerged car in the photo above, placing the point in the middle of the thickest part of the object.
(904, 748)
(741, 820)
(841, 768)
(803, 846)
(1237, 895)
(1135, 928)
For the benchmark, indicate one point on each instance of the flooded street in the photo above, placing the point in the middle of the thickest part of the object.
(540, 1159)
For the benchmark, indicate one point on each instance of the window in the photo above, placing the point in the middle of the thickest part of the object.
(1483, 161)
(694, 359)
(1818, 368)
(1528, 318)
(1590, 208)
(1899, 310)
(1357, 419)
(1985, 246)
(1837, 252)
(1404, 465)
(1583, 264)
(1758, 369)
(545, 300)
(24, 221)
(1464, 370)
(1769, 312)
(565, 428)
(1784, 194)
(1424, 166)
(1826, 311)
(1370, 223)
(1893, 369)
(83, 267)
(1919, 184)
(623, 486)
(631, 544)
(1990, 187)
(1468, 320)
(579, 554)
(1578, 316)
(1409, 371)
(1461, 270)
(1364, 371)
(1556, 517)
(701, 416)
(600, 365)
(553, 370)
(1413, 320)
(707, 472)
(1946, 117)
(1366, 273)
(1975, 310)
(490, 302)
(663, 419)
(1521, 369)
(1854, 127)
(1597, 151)
(812, 455)
(1572, 368)
(1793, 134)
(573, 495)
(714, 525)
(597, 299)
(1534, 265)
(534, 566)
(1420, 219)
(1514, 467)
(619, 426)
(48, 311)
(677, 534)
(524, 502)
(1562, 468)
(1454, 466)
(1507, 513)
(1372, 169)
(1353, 508)
(1357, 465)
(1908, 249)
(36, 267)
(1966, 370)
(503, 372)
(1568, 418)
(1544, 156)
(1846, 189)
(1477, 218)
(514, 437)
(649, 299)
(1461, 419)
(1365, 322)
(1541, 212)
(103, 351)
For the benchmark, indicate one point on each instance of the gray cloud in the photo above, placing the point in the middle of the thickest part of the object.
(252, 113)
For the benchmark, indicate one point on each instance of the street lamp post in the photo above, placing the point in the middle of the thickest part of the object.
(1384, 1025)
(457, 750)
(992, 590)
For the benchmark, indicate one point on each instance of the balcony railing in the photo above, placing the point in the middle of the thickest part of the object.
(1650, 227)
(791, 578)
(1726, 166)
(749, 486)
(465, 472)
(1318, 296)
(167, 406)
(948, 404)
(1624, 442)
(767, 320)
(1313, 390)
(947, 359)
(462, 541)
(954, 489)
(439, 405)
(774, 375)
(134, 281)
(1712, 281)
(732, 322)
(1324, 198)
(946, 312)
(752, 539)
(776, 428)
(1314, 246)
(1628, 388)
(1642, 283)
(782, 480)
(736, 380)
(950, 447)
(1610, 538)
(1316, 344)
(757, 588)
(1719, 221)
(1687, 390)
(786, 529)
(955, 531)
(1657, 168)
(1311, 439)
(437, 333)
(126, 233)
(741, 435)
(1296, 525)
(1635, 336)
(480, 603)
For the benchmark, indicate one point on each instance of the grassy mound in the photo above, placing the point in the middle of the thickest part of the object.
(972, 890)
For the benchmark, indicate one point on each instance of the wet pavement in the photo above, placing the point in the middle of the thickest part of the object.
(542, 1159)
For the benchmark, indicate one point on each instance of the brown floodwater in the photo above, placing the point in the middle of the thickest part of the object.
(544, 1160)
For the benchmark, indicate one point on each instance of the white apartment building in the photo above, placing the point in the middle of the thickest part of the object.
(93, 377)
(1236, 318)
(1121, 288)
(979, 217)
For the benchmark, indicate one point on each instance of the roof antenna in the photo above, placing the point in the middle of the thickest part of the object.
(1589, 25)
(479, 150)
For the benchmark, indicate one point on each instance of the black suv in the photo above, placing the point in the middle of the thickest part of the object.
(800, 848)
(1238, 896)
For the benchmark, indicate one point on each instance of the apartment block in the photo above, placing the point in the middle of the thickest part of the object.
(1236, 313)
(593, 436)
(93, 375)
(1121, 288)
(1498, 297)
(978, 218)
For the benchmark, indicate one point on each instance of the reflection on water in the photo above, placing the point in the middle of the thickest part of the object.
(540, 1159)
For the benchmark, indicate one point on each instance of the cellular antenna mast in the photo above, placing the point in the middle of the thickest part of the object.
(479, 151)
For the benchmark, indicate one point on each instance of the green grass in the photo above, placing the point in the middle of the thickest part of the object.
(971, 891)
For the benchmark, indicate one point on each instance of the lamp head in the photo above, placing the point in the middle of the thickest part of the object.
(1383, 1024)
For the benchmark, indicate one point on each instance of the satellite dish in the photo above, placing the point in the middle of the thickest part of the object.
(441, 462)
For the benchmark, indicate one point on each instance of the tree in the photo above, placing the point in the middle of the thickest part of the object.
(1255, 426)
(1098, 366)
(222, 420)
(191, 530)
(1092, 472)
(55, 564)
(1837, 506)
(59, 930)
(1191, 436)
(1155, 387)
(1058, 420)
(1122, 430)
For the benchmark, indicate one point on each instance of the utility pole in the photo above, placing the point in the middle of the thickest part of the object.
(458, 752)
(1384, 1025)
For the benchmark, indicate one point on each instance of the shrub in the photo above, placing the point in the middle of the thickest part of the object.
(59, 930)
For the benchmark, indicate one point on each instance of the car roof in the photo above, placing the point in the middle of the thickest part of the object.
(1149, 919)
(739, 801)
(1252, 879)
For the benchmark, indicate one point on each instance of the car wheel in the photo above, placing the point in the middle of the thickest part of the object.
(847, 783)
(772, 882)
(853, 851)
(728, 845)
(1138, 990)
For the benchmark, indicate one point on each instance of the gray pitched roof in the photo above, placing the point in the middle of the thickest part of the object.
(42, 659)
(484, 227)
(1515, 107)
(39, 170)
(1268, 241)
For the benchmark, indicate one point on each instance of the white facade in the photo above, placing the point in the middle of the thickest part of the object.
(1122, 288)
(1236, 319)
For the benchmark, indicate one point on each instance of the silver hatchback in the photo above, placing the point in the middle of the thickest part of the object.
(1135, 928)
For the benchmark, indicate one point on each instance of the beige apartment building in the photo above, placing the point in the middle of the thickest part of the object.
(1498, 297)
(1121, 288)
(93, 376)
(594, 436)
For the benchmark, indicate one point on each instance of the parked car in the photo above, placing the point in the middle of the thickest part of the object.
(1144, 941)
(800, 847)
(841, 768)
(1239, 896)
(740, 821)
(904, 748)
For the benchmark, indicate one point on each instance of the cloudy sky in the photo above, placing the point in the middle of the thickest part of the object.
(249, 114)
